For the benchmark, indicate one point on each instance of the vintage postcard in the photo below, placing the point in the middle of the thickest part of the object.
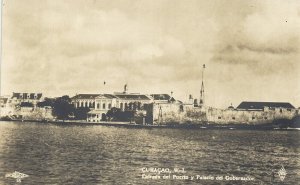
(150, 92)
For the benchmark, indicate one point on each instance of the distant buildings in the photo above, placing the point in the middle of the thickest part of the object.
(33, 98)
(152, 109)
(162, 98)
(245, 105)
(24, 106)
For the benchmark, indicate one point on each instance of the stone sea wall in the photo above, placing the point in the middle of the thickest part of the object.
(175, 113)
(27, 113)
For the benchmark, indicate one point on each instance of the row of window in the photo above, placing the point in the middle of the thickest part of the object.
(92, 105)
(130, 105)
(104, 105)
(27, 97)
(86, 104)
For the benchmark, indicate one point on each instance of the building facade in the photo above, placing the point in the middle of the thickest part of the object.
(123, 101)
(33, 98)
(84, 100)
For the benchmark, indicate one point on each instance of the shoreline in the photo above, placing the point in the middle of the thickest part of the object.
(169, 126)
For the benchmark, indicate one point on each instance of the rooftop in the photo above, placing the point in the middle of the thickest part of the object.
(261, 105)
(85, 96)
(161, 96)
(132, 96)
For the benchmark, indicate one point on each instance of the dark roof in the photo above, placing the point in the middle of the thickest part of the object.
(161, 96)
(261, 105)
(132, 96)
(108, 96)
(25, 95)
(165, 97)
(85, 96)
(26, 104)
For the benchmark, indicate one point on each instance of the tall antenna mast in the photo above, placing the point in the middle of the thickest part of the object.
(201, 102)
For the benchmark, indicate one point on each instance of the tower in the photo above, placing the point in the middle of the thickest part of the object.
(201, 101)
(125, 89)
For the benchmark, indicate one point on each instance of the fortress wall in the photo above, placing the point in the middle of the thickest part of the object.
(176, 113)
(166, 112)
(35, 113)
(5, 111)
(186, 113)
(248, 117)
(236, 116)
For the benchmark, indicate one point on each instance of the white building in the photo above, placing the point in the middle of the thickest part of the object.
(84, 100)
(33, 98)
(123, 101)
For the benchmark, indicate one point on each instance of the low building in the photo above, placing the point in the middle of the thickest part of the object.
(260, 106)
(18, 98)
(162, 98)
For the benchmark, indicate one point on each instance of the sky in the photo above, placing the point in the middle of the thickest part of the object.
(250, 48)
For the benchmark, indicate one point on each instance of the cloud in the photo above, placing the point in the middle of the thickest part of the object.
(266, 40)
(61, 47)
(90, 41)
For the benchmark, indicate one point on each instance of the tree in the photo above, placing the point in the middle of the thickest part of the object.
(47, 102)
(80, 113)
(116, 114)
(62, 107)
(112, 113)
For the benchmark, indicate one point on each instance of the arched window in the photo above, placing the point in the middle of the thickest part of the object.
(121, 106)
(78, 104)
(86, 104)
(109, 106)
(98, 105)
(81, 104)
(103, 106)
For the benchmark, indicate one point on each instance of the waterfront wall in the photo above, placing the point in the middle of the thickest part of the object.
(233, 116)
(27, 113)
(38, 113)
(175, 113)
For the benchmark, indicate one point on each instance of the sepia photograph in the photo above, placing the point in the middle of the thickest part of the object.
(139, 92)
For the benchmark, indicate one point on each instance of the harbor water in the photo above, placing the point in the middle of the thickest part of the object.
(78, 154)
